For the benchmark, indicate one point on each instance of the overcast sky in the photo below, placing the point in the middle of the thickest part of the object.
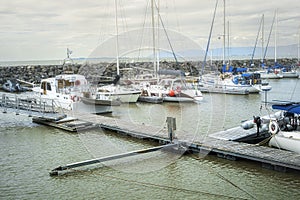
(41, 30)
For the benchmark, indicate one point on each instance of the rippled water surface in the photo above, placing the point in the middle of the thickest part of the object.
(29, 151)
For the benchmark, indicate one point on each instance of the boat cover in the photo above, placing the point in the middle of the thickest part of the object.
(289, 107)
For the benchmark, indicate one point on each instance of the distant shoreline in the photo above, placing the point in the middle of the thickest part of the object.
(127, 60)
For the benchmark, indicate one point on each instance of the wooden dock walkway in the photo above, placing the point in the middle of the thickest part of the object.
(224, 143)
(271, 158)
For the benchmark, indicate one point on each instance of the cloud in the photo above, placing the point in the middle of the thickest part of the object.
(32, 29)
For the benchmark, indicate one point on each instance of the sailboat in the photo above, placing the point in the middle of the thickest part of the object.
(171, 85)
(124, 94)
(226, 82)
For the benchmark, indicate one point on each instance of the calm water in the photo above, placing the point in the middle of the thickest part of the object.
(30, 151)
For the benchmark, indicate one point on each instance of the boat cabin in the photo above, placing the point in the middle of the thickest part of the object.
(62, 84)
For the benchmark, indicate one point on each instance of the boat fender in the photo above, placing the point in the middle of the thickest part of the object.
(247, 125)
(264, 128)
(273, 127)
(172, 93)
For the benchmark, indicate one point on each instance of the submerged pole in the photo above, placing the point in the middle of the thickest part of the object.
(56, 171)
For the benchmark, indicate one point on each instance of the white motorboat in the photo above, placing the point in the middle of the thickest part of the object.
(285, 131)
(67, 91)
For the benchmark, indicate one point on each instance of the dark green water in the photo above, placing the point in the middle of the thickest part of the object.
(30, 151)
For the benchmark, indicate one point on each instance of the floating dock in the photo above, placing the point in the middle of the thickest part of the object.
(271, 158)
(224, 144)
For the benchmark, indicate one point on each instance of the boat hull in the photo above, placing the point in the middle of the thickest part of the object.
(80, 107)
(286, 140)
(152, 99)
(290, 75)
(100, 102)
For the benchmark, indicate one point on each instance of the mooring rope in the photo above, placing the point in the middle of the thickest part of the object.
(225, 179)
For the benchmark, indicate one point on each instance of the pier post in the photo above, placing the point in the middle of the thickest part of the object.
(17, 104)
(171, 122)
(4, 103)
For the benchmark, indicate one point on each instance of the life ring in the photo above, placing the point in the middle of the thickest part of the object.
(75, 98)
(77, 82)
(273, 127)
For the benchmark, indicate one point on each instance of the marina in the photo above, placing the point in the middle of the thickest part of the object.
(252, 162)
(150, 100)
(222, 143)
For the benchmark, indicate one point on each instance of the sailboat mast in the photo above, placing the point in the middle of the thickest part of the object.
(157, 56)
(275, 42)
(209, 38)
(257, 38)
(268, 41)
(262, 38)
(228, 43)
(299, 46)
(117, 37)
(153, 37)
(224, 33)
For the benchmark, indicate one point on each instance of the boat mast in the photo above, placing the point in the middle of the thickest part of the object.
(228, 43)
(275, 42)
(153, 37)
(209, 38)
(257, 37)
(262, 38)
(157, 53)
(268, 41)
(117, 38)
(224, 33)
(299, 46)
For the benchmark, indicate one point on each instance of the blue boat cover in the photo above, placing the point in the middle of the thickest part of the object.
(246, 75)
(241, 69)
(227, 68)
(291, 107)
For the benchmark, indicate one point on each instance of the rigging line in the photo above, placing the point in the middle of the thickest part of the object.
(225, 179)
(123, 14)
(147, 184)
(162, 23)
(102, 25)
(143, 30)
(209, 38)
(177, 19)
